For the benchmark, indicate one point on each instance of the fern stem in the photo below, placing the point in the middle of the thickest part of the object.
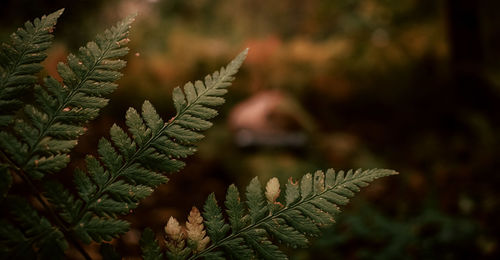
(262, 221)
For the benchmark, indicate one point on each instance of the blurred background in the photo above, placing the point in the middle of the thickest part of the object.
(411, 85)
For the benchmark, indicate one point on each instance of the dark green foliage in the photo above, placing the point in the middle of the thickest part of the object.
(5, 181)
(235, 209)
(39, 138)
(132, 167)
(20, 60)
(108, 252)
(430, 231)
(31, 231)
(149, 246)
(214, 221)
(40, 141)
(255, 200)
(98, 229)
(237, 249)
(307, 208)
(63, 201)
(257, 239)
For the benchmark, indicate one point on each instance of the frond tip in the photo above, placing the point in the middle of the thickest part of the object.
(307, 207)
(133, 162)
(20, 60)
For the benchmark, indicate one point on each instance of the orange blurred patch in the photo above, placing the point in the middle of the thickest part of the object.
(57, 53)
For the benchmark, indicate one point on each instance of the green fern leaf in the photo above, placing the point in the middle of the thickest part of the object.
(109, 156)
(137, 127)
(149, 246)
(12, 146)
(153, 148)
(20, 60)
(306, 186)
(84, 185)
(164, 145)
(51, 126)
(136, 174)
(35, 232)
(97, 173)
(63, 201)
(301, 223)
(39, 166)
(306, 208)
(292, 194)
(319, 217)
(237, 249)
(151, 117)
(122, 191)
(99, 229)
(285, 234)
(258, 240)
(235, 209)
(14, 244)
(106, 206)
(216, 228)
(255, 200)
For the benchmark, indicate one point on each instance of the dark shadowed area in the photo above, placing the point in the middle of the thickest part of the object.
(410, 85)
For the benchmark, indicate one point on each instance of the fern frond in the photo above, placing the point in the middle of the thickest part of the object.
(31, 232)
(42, 139)
(39, 140)
(20, 60)
(303, 211)
(128, 168)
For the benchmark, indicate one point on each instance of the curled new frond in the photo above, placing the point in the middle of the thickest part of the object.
(306, 207)
(133, 162)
